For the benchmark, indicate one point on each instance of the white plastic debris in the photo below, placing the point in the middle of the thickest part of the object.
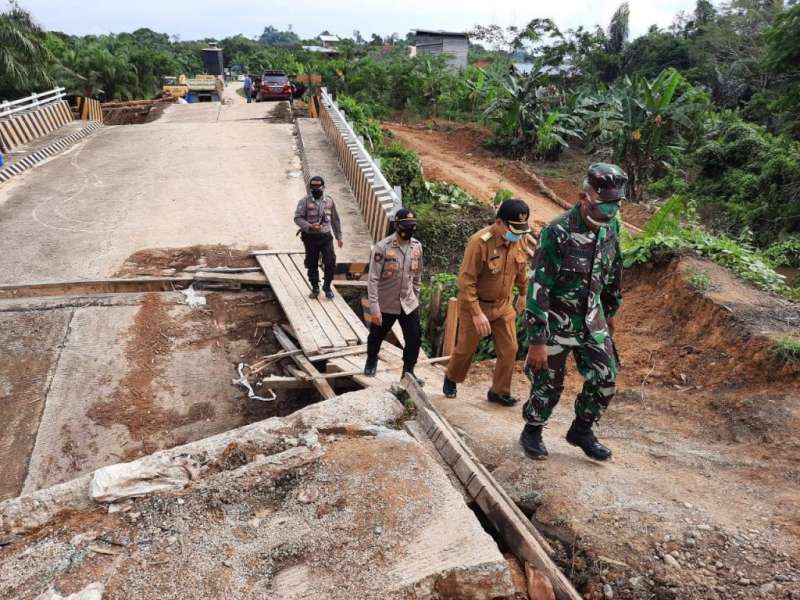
(193, 299)
(142, 477)
(93, 591)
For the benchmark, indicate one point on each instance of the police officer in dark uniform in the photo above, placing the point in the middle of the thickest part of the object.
(318, 220)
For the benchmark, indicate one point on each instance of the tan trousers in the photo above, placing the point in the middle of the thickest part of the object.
(504, 333)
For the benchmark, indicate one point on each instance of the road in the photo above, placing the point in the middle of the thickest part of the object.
(202, 174)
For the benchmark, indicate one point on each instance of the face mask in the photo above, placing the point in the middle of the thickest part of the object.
(406, 232)
(511, 237)
(602, 213)
(317, 193)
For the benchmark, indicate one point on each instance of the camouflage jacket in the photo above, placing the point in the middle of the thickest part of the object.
(577, 280)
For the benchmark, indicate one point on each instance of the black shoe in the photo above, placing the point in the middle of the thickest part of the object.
(328, 293)
(502, 399)
(531, 441)
(314, 292)
(449, 388)
(371, 367)
(580, 434)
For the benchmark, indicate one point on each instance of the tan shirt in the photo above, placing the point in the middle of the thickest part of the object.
(490, 269)
(395, 275)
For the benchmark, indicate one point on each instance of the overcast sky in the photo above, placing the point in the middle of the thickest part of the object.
(195, 19)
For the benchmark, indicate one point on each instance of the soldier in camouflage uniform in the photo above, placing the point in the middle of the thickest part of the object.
(572, 298)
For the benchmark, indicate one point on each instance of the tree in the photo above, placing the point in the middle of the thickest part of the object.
(24, 56)
(274, 37)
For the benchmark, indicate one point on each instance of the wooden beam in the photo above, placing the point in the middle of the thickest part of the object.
(323, 387)
(96, 286)
(339, 353)
(277, 382)
(450, 327)
(354, 283)
(527, 544)
(257, 279)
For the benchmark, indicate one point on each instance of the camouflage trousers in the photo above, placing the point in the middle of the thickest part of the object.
(596, 363)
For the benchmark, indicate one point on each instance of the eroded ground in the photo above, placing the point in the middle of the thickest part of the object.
(90, 381)
(701, 498)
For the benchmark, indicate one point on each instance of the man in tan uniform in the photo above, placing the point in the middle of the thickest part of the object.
(395, 274)
(494, 262)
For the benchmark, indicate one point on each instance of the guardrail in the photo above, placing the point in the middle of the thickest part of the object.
(34, 101)
(376, 198)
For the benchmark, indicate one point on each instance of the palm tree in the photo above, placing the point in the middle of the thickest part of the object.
(24, 56)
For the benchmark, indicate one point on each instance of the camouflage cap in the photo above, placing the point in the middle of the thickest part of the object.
(607, 181)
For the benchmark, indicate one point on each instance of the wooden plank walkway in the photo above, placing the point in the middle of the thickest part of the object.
(320, 325)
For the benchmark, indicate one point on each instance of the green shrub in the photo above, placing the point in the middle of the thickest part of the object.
(700, 281)
(501, 196)
(673, 183)
(748, 179)
(666, 233)
(785, 253)
(786, 351)
(401, 167)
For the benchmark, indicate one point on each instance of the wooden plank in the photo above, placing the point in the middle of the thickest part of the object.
(527, 544)
(344, 334)
(344, 309)
(323, 387)
(450, 327)
(316, 306)
(354, 283)
(339, 353)
(277, 382)
(258, 279)
(311, 338)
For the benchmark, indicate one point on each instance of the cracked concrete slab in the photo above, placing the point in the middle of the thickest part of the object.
(329, 502)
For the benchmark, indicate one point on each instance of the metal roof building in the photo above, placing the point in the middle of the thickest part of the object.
(453, 44)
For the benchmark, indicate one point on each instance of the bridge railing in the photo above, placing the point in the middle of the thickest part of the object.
(376, 198)
(33, 101)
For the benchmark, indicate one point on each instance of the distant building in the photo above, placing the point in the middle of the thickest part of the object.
(329, 41)
(322, 50)
(454, 45)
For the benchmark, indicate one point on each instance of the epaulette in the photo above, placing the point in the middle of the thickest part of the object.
(486, 236)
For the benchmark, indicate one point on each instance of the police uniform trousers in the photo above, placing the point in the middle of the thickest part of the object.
(412, 332)
(597, 365)
(502, 319)
(319, 244)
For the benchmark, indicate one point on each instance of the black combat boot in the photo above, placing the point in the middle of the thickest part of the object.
(449, 388)
(328, 291)
(531, 441)
(314, 291)
(502, 399)
(371, 366)
(580, 434)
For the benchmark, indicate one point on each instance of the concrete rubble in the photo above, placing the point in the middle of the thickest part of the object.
(333, 501)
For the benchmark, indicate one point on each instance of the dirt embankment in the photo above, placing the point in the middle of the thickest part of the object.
(454, 153)
(700, 499)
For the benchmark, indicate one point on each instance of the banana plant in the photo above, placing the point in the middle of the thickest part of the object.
(645, 124)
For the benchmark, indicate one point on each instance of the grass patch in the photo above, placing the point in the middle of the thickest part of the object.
(700, 281)
(786, 351)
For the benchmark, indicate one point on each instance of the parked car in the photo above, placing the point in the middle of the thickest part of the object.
(240, 78)
(274, 85)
